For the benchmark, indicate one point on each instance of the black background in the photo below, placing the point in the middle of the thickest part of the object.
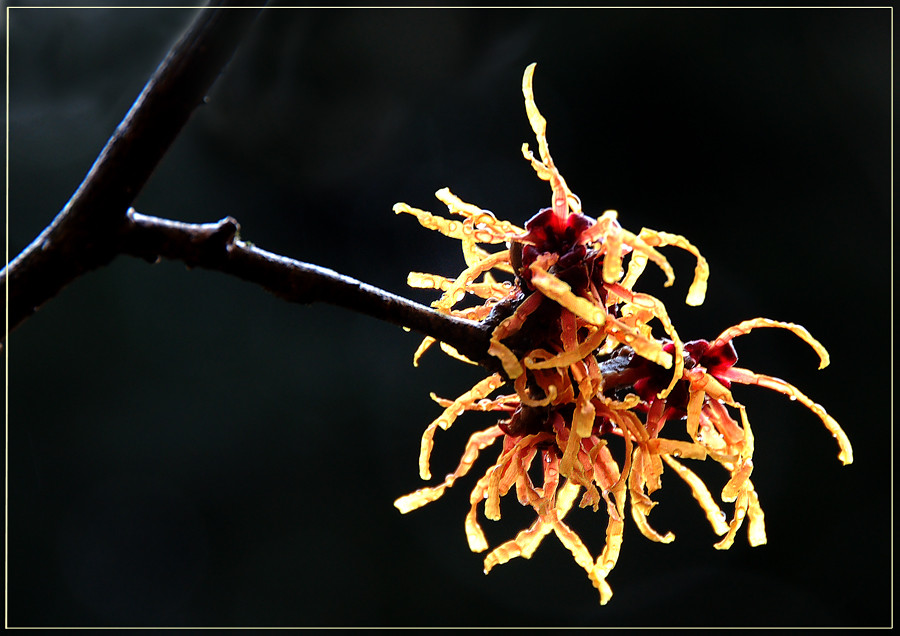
(185, 449)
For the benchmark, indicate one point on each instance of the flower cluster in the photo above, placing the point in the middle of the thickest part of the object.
(576, 343)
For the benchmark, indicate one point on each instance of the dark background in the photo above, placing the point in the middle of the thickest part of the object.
(185, 449)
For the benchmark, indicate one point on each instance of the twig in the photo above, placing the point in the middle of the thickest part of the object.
(83, 236)
(215, 246)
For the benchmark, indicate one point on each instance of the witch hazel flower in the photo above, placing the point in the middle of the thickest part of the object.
(588, 360)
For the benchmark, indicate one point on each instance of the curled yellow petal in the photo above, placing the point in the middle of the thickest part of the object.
(756, 526)
(640, 519)
(737, 482)
(776, 384)
(701, 493)
(697, 291)
(747, 326)
(561, 292)
(446, 419)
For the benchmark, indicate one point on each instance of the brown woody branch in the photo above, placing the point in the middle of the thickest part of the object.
(216, 246)
(98, 223)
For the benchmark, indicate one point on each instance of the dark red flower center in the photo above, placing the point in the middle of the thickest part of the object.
(654, 378)
(546, 233)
